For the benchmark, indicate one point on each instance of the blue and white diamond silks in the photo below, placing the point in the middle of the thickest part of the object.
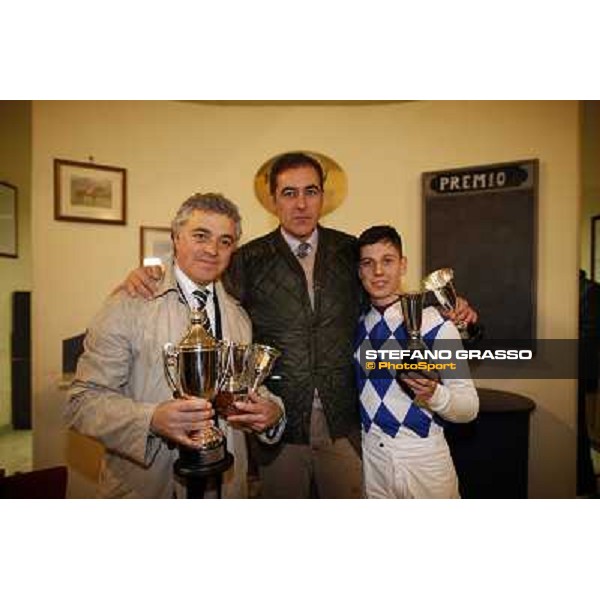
(383, 403)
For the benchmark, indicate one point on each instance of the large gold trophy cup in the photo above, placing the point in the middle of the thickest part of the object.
(192, 368)
(222, 372)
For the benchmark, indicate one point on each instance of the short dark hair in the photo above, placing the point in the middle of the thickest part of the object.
(293, 160)
(380, 233)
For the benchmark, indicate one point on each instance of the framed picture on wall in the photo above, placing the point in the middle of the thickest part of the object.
(595, 264)
(155, 242)
(8, 220)
(89, 192)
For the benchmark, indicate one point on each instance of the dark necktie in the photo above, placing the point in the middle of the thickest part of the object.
(202, 296)
(303, 250)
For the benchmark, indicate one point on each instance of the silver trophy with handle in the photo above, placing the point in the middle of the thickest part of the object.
(244, 368)
(412, 311)
(192, 368)
(441, 283)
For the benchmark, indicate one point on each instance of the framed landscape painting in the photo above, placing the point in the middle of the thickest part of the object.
(89, 192)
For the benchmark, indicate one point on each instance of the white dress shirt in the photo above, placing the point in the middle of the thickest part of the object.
(188, 287)
(293, 242)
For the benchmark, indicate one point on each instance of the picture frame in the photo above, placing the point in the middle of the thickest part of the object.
(155, 242)
(595, 258)
(89, 193)
(8, 220)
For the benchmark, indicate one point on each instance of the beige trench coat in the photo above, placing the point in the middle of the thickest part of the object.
(120, 379)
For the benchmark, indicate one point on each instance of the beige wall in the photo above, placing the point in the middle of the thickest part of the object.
(15, 274)
(590, 177)
(172, 149)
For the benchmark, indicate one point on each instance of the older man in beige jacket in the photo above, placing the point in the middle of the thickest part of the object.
(120, 395)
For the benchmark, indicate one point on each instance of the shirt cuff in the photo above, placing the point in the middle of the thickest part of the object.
(273, 434)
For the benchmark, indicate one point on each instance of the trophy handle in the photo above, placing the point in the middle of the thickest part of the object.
(170, 361)
(223, 364)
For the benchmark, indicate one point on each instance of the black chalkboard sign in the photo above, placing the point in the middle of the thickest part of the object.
(482, 222)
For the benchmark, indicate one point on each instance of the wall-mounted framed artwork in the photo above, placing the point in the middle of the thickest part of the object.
(89, 192)
(155, 242)
(8, 220)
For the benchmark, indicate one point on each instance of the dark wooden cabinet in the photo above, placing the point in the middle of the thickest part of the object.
(491, 454)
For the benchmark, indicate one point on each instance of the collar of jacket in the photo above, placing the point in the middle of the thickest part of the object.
(168, 284)
(322, 251)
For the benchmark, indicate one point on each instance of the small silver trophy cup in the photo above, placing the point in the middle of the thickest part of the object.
(192, 368)
(244, 368)
(441, 283)
(233, 365)
(412, 311)
(260, 364)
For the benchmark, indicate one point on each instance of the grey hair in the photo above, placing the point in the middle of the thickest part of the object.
(210, 202)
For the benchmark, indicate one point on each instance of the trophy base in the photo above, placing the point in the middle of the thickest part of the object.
(433, 375)
(470, 334)
(416, 344)
(197, 476)
(197, 470)
(201, 460)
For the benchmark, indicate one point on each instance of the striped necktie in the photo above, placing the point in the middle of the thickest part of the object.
(202, 296)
